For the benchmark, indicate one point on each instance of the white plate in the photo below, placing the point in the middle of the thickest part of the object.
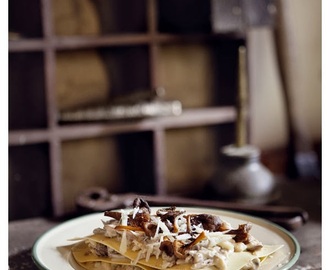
(47, 256)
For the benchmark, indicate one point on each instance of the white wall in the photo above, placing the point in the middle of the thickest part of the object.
(303, 37)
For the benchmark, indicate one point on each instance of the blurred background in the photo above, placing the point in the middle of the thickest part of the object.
(71, 54)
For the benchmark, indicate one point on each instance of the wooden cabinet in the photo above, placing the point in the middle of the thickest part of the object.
(137, 44)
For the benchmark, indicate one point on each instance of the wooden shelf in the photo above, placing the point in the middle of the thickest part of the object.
(81, 42)
(33, 61)
(27, 45)
(189, 118)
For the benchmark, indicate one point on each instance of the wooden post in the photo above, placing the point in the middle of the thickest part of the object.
(241, 131)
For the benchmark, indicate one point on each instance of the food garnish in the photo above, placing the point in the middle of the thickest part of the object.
(169, 238)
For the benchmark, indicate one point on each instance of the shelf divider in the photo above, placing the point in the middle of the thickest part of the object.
(55, 157)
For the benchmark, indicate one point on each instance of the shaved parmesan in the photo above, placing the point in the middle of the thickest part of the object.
(124, 217)
(135, 211)
(123, 243)
(184, 236)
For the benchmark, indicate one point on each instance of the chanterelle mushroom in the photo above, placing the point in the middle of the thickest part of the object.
(179, 249)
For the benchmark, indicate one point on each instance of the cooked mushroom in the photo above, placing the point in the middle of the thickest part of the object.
(189, 229)
(210, 222)
(113, 214)
(168, 216)
(179, 249)
(242, 233)
(139, 219)
(141, 204)
(149, 229)
(167, 247)
(129, 228)
(200, 237)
